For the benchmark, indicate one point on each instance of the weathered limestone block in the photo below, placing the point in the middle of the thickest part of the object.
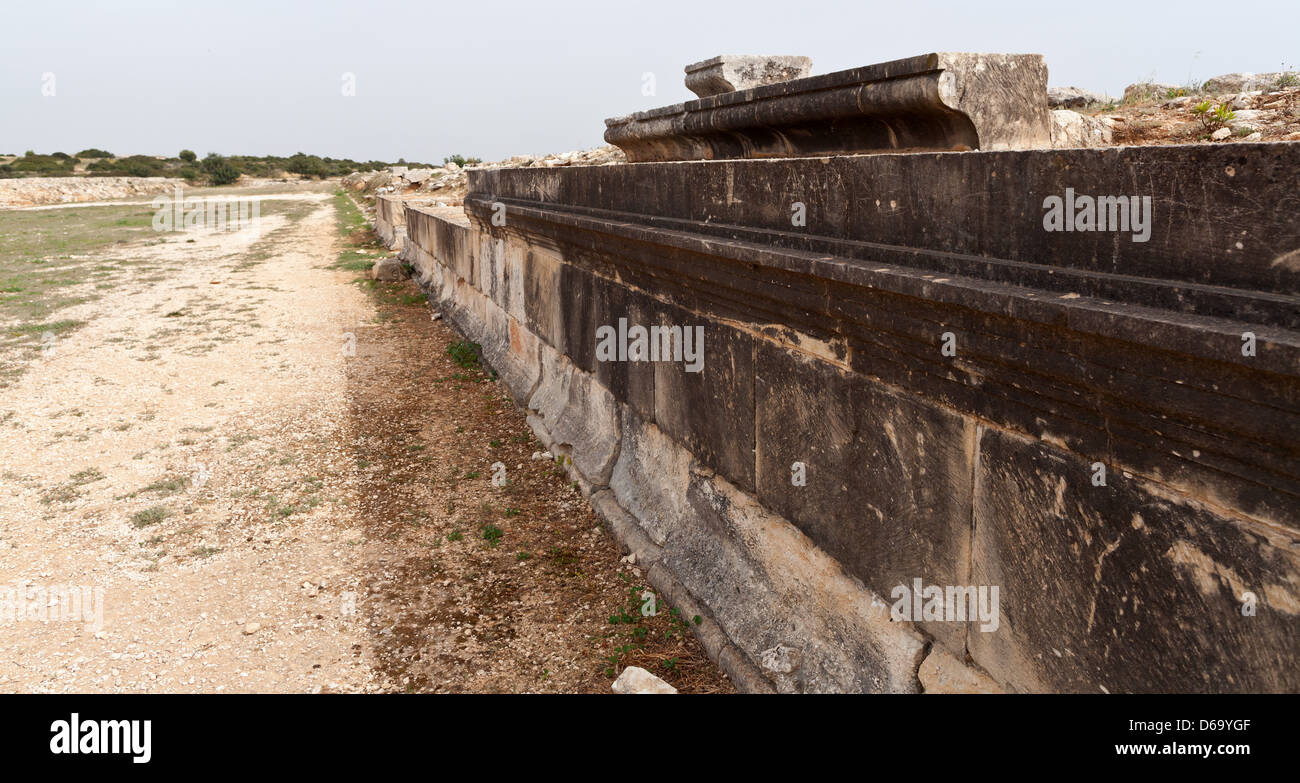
(513, 290)
(711, 411)
(768, 585)
(512, 351)
(650, 478)
(732, 72)
(1125, 587)
(579, 415)
(439, 238)
(612, 304)
(416, 176)
(941, 101)
(456, 243)
(764, 586)
(1072, 129)
(999, 223)
(421, 265)
(388, 270)
(390, 218)
(629, 532)
(879, 481)
(543, 292)
(489, 266)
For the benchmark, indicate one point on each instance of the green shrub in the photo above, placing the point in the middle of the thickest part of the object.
(308, 165)
(465, 353)
(33, 165)
(1213, 119)
(219, 170)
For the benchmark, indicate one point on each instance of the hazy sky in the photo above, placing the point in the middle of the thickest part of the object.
(492, 78)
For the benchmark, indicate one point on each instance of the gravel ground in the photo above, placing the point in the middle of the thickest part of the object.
(278, 479)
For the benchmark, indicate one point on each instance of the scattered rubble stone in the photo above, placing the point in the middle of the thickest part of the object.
(634, 679)
(1242, 82)
(448, 182)
(1074, 97)
(388, 270)
(1148, 91)
(1072, 129)
(39, 191)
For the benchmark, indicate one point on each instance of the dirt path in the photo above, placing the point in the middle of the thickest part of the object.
(278, 480)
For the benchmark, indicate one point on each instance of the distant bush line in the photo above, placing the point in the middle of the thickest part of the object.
(213, 169)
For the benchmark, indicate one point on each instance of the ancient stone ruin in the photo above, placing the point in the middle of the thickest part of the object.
(895, 397)
(944, 101)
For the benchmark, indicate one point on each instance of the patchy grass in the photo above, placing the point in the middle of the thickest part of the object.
(167, 486)
(150, 516)
(350, 221)
(361, 248)
(70, 490)
(465, 354)
(51, 259)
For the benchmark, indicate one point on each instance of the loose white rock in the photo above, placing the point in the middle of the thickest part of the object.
(634, 679)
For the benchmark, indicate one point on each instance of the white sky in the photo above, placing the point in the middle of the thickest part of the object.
(492, 78)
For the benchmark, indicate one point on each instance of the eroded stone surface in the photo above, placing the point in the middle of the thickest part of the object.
(1242, 82)
(1121, 588)
(387, 270)
(731, 72)
(1072, 129)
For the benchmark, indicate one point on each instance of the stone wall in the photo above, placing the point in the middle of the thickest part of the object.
(390, 220)
(1070, 416)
